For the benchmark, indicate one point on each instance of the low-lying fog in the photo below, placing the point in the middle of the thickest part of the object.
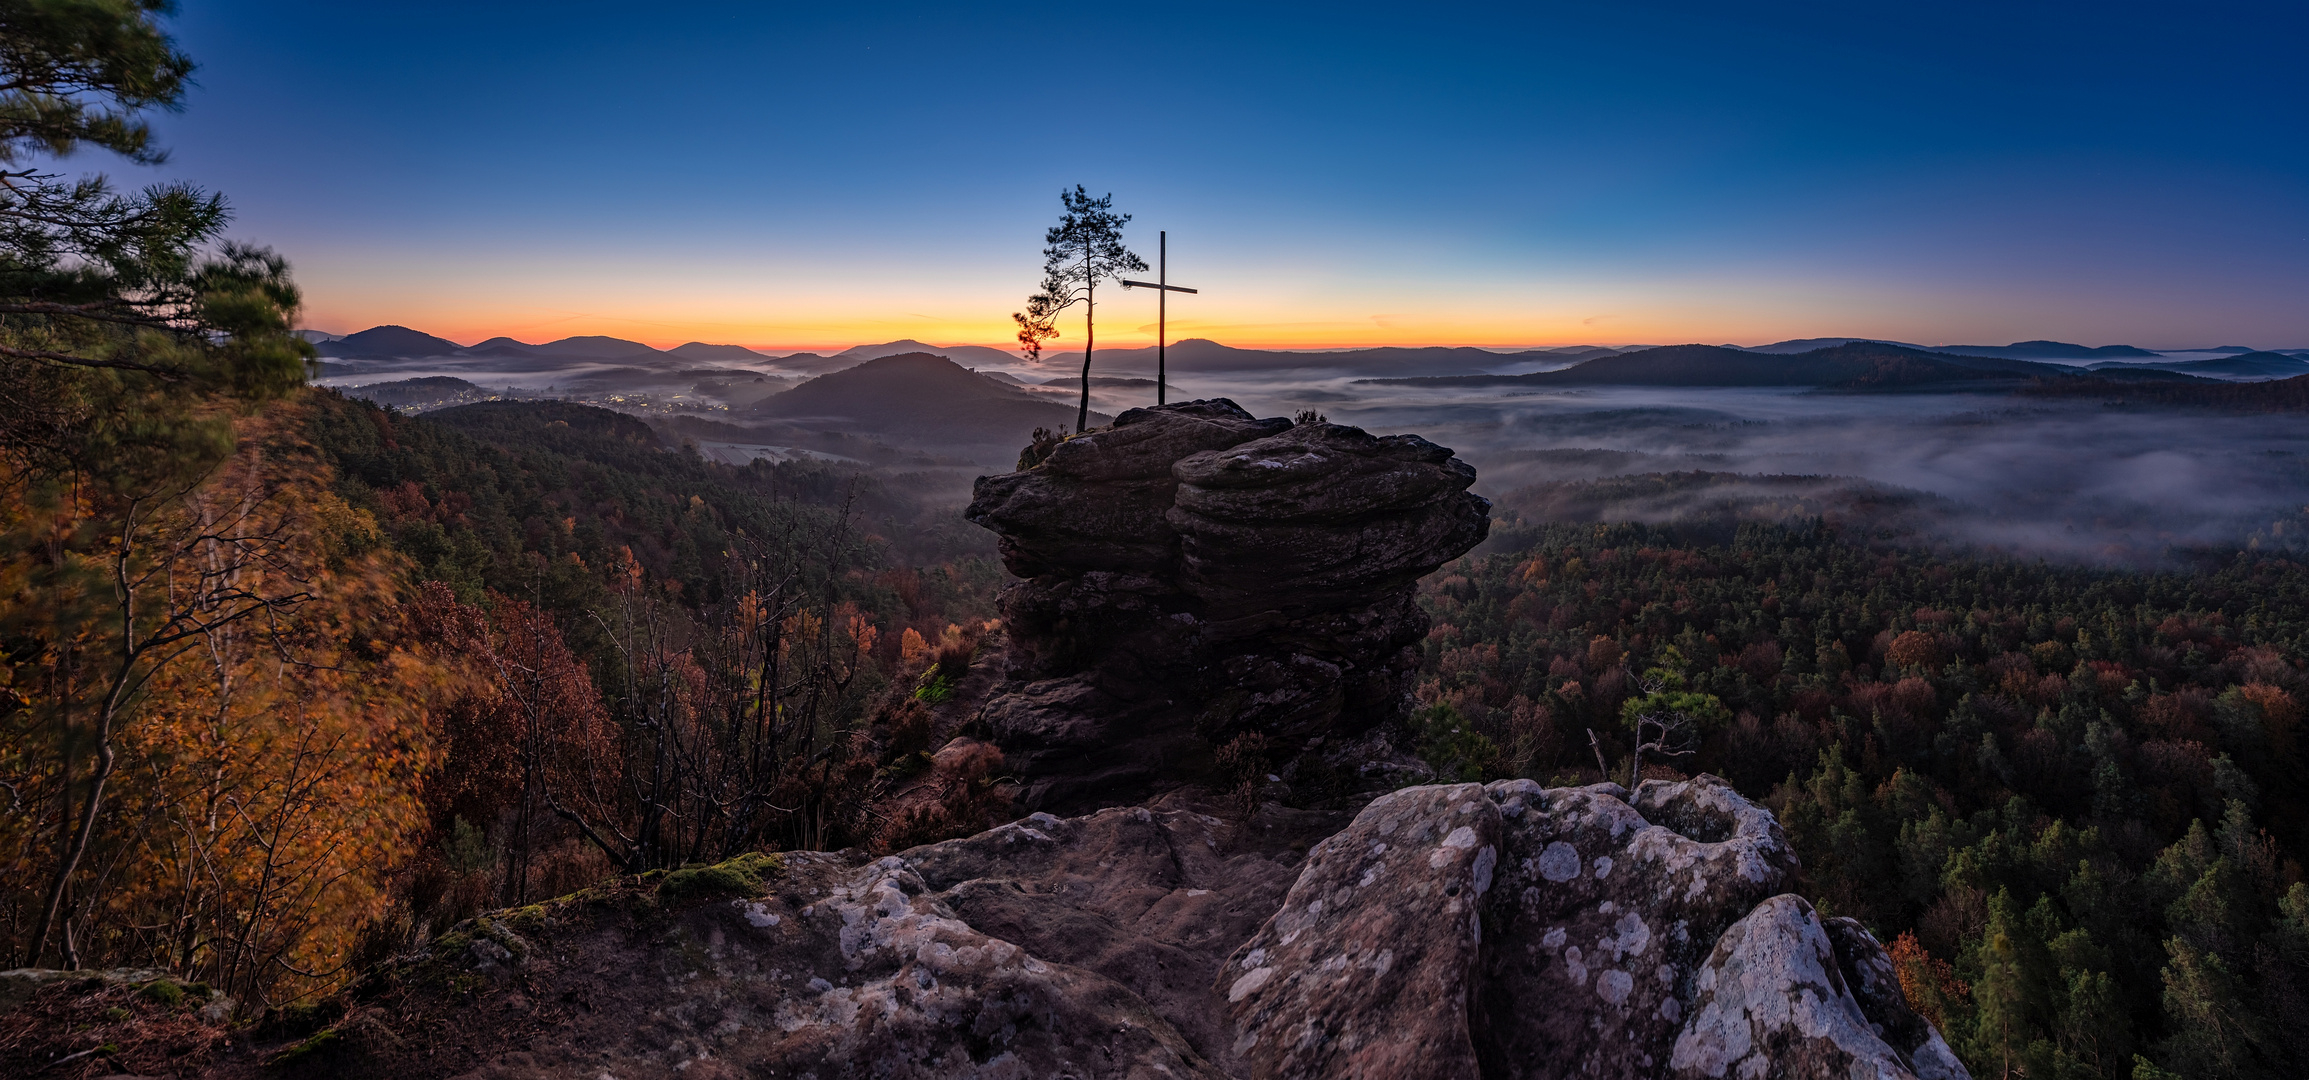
(2056, 478)
(2062, 479)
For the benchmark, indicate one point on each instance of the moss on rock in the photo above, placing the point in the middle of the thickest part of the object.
(162, 992)
(741, 876)
(310, 1047)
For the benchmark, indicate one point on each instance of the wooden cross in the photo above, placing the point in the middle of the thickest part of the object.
(1163, 292)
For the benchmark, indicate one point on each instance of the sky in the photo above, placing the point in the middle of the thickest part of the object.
(813, 176)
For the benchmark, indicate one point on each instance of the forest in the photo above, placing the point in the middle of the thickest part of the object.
(467, 661)
(2072, 797)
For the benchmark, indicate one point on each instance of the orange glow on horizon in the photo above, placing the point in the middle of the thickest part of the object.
(1310, 335)
(1301, 312)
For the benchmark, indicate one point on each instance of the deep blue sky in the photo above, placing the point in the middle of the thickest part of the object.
(1334, 174)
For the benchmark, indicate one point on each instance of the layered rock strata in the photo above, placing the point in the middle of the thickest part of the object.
(1191, 573)
(1452, 931)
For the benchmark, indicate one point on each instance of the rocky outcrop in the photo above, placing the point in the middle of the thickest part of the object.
(1453, 931)
(1192, 573)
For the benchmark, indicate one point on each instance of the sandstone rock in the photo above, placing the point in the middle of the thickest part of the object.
(1463, 930)
(1613, 903)
(1369, 967)
(1193, 573)
(1771, 1001)
(1319, 472)
(1320, 515)
(1151, 899)
(923, 993)
(1074, 743)
(1097, 502)
(1047, 947)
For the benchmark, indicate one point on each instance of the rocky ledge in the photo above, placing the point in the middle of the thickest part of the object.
(1468, 930)
(1192, 574)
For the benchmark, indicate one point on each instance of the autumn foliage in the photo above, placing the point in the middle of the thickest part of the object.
(224, 655)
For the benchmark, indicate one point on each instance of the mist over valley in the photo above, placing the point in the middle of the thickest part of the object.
(2039, 449)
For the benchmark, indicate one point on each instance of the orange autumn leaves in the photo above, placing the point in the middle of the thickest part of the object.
(266, 766)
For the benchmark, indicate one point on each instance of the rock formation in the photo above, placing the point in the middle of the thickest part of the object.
(1454, 931)
(1192, 573)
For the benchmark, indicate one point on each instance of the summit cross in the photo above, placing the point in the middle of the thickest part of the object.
(1163, 290)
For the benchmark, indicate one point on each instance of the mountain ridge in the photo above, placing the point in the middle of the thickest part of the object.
(1856, 365)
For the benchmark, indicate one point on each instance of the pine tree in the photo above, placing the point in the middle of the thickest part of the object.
(2007, 995)
(125, 324)
(1084, 248)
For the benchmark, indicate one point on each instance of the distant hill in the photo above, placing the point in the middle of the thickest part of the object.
(1859, 366)
(2050, 350)
(2251, 365)
(2019, 350)
(389, 341)
(1805, 345)
(591, 347)
(559, 425)
(1065, 380)
(920, 399)
(698, 350)
(963, 354)
(2275, 395)
(809, 363)
(1191, 355)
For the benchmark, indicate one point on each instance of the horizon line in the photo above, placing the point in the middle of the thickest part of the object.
(829, 348)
